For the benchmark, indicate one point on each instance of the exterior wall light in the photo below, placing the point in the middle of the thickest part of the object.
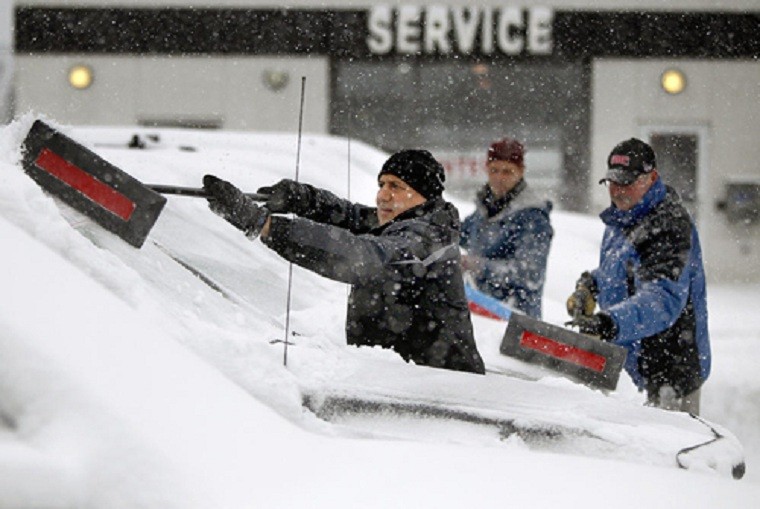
(673, 81)
(80, 77)
(276, 80)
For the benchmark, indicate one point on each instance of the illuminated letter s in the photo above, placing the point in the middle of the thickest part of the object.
(380, 39)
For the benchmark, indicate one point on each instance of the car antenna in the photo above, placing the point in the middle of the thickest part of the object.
(290, 264)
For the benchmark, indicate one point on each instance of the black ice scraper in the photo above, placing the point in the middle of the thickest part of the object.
(82, 179)
(583, 358)
(90, 184)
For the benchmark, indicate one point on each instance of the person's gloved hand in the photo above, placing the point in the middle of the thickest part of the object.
(582, 302)
(287, 196)
(238, 209)
(472, 263)
(600, 324)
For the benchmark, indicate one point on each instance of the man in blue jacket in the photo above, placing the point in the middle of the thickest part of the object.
(507, 238)
(650, 283)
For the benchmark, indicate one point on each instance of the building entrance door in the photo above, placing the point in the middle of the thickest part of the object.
(680, 161)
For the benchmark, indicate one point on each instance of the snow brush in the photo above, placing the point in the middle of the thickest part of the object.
(88, 183)
(196, 192)
(582, 358)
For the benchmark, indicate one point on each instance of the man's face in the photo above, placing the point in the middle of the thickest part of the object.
(503, 176)
(626, 197)
(394, 197)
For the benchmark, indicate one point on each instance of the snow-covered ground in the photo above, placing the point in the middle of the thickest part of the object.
(126, 380)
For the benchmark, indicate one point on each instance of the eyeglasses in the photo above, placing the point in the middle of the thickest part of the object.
(634, 181)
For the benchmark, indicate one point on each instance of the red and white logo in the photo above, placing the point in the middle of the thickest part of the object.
(618, 159)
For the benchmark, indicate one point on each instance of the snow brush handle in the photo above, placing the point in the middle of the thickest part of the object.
(196, 192)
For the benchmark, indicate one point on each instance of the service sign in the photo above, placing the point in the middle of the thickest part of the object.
(444, 30)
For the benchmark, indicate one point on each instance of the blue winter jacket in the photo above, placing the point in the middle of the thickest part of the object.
(514, 245)
(651, 281)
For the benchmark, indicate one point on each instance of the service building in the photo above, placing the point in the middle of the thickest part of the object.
(570, 78)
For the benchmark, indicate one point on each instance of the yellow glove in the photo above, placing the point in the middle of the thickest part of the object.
(582, 302)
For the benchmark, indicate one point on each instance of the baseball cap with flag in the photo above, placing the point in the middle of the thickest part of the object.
(628, 160)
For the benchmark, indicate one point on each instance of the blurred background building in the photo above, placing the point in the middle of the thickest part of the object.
(6, 61)
(570, 78)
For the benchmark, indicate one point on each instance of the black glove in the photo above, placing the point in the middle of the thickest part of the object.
(582, 302)
(288, 196)
(238, 209)
(600, 324)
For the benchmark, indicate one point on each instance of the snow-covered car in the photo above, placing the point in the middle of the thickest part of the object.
(163, 376)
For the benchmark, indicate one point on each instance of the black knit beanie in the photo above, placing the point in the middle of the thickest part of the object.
(417, 168)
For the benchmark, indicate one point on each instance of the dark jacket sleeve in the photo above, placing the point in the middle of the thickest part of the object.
(324, 207)
(661, 285)
(340, 254)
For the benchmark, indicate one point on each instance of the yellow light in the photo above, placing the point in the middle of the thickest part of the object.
(673, 81)
(80, 77)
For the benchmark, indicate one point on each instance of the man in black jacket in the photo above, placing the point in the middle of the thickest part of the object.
(400, 257)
